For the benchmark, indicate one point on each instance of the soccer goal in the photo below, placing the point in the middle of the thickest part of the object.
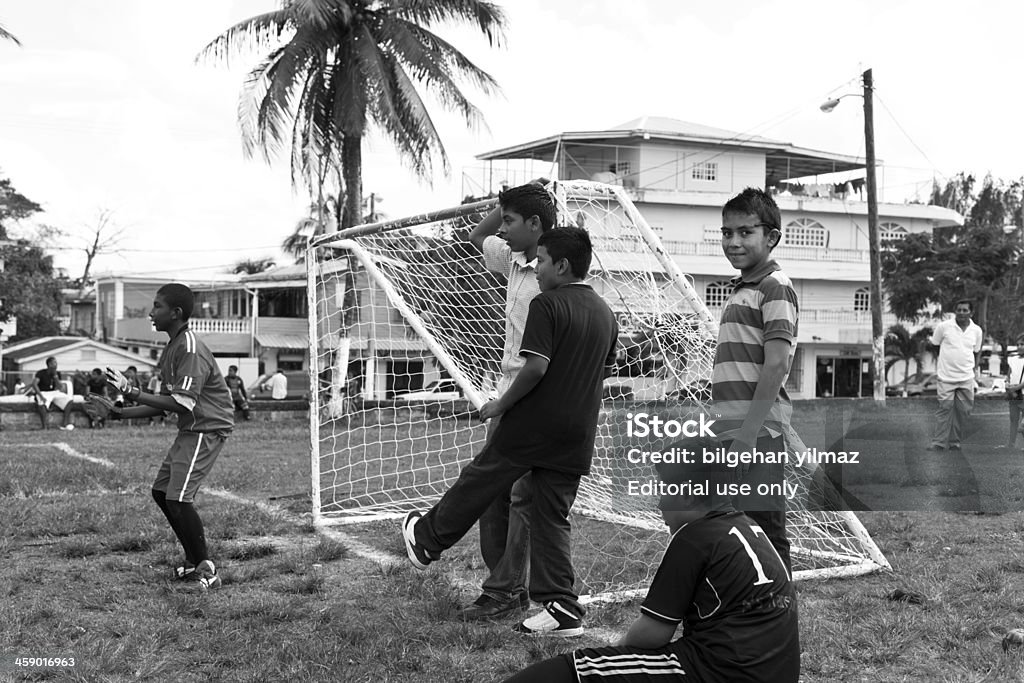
(406, 331)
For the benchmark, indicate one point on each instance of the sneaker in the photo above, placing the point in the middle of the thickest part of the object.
(418, 555)
(186, 572)
(936, 447)
(66, 428)
(485, 607)
(206, 576)
(954, 446)
(554, 620)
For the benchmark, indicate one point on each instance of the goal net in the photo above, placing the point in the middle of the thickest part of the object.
(406, 333)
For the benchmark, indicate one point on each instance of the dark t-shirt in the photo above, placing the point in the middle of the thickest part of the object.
(721, 576)
(97, 385)
(48, 381)
(236, 385)
(554, 425)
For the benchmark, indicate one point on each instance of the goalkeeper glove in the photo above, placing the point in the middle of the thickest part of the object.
(104, 407)
(119, 381)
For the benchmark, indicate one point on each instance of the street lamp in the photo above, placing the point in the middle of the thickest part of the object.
(874, 246)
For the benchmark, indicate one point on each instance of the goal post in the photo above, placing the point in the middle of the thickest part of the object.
(406, 337)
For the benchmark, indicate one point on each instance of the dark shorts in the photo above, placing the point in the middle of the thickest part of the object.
(631, 665)
(187, 463)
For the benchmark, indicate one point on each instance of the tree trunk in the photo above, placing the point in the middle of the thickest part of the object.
(352, 168)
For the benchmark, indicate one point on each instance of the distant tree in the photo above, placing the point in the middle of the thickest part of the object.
(104, 238)
(903, 346)
(251, 266)
(31, 289)
(347, 65)
(14, 206)
(925, 273)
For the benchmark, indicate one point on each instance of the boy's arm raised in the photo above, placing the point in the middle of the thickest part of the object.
(485, 228)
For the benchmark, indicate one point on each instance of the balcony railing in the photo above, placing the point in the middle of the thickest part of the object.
(831, 316)
(220, 325)
(683, 248)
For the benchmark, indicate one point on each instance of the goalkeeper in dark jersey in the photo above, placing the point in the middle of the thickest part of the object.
(193, 387)
(723, 581)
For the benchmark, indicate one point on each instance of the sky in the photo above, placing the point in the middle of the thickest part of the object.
(104, 108)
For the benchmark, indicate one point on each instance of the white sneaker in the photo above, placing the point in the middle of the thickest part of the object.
(66, 428)
(553, 620)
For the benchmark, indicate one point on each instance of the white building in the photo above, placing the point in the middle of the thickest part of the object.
(680, 174)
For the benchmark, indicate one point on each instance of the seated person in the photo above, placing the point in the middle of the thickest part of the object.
(47, 387)
(609, 177)
(723, 581)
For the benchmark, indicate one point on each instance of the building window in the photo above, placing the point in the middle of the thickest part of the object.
(705, 170)
(712, 234)
(805, 232)
(862, 299)
(87, 354)
(716, 293)
(153, 353)
(888, 233)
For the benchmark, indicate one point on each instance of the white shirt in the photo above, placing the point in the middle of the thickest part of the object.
(522, 288)
(278, 385)
(956, 350)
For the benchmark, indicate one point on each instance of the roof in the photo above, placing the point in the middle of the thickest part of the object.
(42, 347)
(784, 160)
(282, 341)
(289, 276)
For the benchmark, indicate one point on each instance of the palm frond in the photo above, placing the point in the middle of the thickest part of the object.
(259, 32)
(321, 14)
(487, 16)
(6, 35)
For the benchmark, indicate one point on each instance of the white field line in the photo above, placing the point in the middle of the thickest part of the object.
(358, 547)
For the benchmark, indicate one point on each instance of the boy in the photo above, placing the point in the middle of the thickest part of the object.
(547, 430)
(507, 238)
(756, 343)
(192, 387)
(47, 385)
(720, 578)
(235, 384)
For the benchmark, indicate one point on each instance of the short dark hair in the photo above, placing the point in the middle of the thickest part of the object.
(756, 202)
(970, 304)
(49, 358)
(233, 367)
(530, 200)
(177, 295)
(132, 368)
(569, 243)
(710, 476)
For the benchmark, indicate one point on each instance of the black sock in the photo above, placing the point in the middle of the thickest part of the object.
(161, 500)
(192, 537)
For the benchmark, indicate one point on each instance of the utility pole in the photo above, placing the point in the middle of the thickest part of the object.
(875, 252)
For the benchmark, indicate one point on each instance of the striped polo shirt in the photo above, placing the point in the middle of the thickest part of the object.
(188, 369)
(761, 307)
(522, 288)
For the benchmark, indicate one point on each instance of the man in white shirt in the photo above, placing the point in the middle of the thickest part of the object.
(959, 342)
(278, 385)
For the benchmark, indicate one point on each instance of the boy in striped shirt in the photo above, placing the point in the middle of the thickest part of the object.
(756, 344)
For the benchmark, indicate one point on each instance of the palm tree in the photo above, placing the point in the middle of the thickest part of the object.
(251, 266)
(347, 65)
(901, 345)
(8, 36)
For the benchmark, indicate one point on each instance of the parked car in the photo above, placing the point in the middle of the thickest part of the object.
(991, 387)
(917, 385)
(298, 386)
(440, 390)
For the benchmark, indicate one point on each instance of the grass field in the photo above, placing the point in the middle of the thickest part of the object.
(86, 555)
